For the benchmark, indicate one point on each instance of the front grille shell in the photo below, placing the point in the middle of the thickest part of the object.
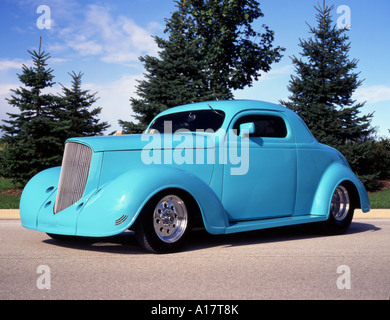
(74, 175)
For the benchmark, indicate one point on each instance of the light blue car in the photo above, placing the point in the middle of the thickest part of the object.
(230, 166)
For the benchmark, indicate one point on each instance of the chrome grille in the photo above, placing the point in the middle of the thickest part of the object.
(74, 175)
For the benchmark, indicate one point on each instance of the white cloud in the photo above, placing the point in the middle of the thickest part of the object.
(7, 64)
(284, 70)
(5, 107)
(124, 86)
(5, 89)
(277, 72)
(373, 94)
(10, 64)
(57, 61)
(114, 99)
(114, 39)
(86, 47)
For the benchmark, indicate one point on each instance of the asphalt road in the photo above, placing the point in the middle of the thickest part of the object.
(283, 263)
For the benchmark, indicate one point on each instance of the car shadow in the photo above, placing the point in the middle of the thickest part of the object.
(201, 239)
(126, 242)
(123, 243)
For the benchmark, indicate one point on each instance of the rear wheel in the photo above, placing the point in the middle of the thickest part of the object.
(164, 223)
(341, 212)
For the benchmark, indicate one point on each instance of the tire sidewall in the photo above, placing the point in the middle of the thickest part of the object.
(147, 236)
(337, 227)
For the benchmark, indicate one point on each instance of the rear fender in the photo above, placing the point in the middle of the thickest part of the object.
(335, 175)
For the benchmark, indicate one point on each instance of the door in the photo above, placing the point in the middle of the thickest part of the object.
(268, 188)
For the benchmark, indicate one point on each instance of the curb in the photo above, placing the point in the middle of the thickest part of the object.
(373, 214)
(9, 214)
(13, 214)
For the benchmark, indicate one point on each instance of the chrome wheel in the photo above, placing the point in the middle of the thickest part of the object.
(340, 205)
(170, 218)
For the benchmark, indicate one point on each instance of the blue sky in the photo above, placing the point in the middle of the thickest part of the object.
(103, 39)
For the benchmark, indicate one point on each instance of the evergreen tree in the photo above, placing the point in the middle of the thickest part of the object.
(211, 50)
(34, 138)
(74, 109)
(322, 94)
(32, 135)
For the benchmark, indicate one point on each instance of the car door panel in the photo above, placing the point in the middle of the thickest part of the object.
(268, 189)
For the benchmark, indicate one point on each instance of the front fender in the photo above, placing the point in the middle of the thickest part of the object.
(117, 204)
(36, 193)
(336, 174)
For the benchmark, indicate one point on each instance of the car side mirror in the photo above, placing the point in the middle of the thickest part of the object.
(246, 129)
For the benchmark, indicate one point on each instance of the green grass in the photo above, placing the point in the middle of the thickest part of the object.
(380, 199)
(8, 199)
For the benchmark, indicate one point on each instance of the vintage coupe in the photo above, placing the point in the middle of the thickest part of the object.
(231, 166)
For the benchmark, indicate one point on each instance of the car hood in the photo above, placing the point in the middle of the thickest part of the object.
(143, 141)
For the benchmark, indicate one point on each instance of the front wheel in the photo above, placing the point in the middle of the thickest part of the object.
(164, 223)
(341, 212)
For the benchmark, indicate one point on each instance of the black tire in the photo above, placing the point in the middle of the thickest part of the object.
(165, 222)
(341, 212)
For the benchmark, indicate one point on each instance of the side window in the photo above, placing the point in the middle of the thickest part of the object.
(266, 126)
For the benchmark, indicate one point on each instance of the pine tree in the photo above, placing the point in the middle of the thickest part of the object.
(74, 109)
(322, 93)
(211, 50)
(32, 135)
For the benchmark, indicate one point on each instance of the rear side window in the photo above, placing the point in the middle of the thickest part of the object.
(266, 126)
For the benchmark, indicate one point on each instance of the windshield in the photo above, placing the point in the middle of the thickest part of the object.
(189, 120)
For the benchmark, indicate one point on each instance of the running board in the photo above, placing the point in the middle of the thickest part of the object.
(271, 223)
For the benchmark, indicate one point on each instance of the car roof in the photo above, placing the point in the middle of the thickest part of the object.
(233, 107)
(230, 107)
